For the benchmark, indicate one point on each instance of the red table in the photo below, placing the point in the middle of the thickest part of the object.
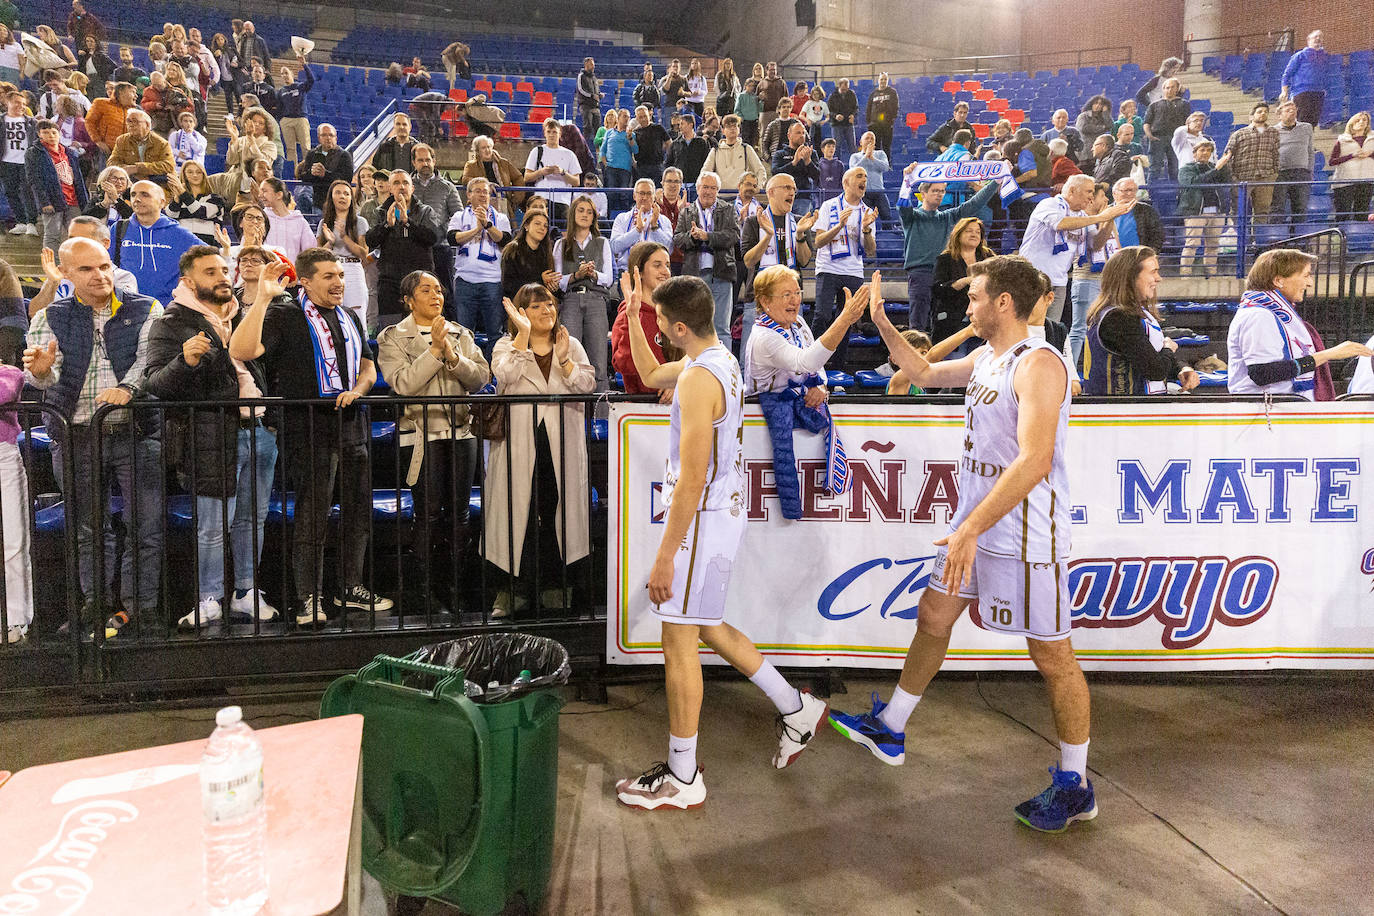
(121, 834)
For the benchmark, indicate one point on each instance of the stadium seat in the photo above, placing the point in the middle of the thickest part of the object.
(953, 86)
(972, 85)
(867, 378)
(999, 105)
(510, 131)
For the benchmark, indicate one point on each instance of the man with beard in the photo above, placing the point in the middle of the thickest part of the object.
(230, 454)
(312, 348)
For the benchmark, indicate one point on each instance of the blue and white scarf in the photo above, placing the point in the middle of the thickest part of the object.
(486, 248)
(1297, 343)
(963, 170)
(1095, 260)
(326, 357)
(837, 476)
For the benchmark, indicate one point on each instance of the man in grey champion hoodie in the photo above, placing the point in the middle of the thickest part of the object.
(150, 244)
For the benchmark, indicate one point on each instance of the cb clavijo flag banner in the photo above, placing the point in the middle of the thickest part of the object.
(1207, 535)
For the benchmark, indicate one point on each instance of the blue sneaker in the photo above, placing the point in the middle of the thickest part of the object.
(868, 730)
(1065, 801)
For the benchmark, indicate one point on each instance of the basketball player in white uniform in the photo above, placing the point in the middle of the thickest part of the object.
(704, 490)
(1009, 540)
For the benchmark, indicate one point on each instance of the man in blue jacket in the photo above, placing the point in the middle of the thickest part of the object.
(295, 126)
(149, 244)
(78, 378)
(54, 174)
(1305, 78)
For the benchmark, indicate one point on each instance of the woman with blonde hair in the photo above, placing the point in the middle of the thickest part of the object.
(791, 356)
(535, 495)
(727, 87)
(1352, 159)
(1270, 349)
(696, 89)
(1128, 353)
(197, 207)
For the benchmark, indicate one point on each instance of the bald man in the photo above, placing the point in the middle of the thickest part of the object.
(845, 236)
(78, 378)
(149, 244)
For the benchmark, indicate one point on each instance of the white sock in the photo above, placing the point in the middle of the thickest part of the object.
(784, 696)
(682, 757)
(1073, 758)
(898, 710)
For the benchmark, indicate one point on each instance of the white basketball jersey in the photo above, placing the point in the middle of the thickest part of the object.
(725, 474)
(1036, 530)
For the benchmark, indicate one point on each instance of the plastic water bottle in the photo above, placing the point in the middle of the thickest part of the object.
(523, 679)
(234, 803)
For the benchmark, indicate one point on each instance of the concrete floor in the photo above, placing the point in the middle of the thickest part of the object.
(1229, 797)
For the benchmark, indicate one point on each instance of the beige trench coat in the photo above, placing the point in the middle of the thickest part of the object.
(405, 361)
(517, 373)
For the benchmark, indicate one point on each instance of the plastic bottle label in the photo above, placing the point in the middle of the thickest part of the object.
(232, 799)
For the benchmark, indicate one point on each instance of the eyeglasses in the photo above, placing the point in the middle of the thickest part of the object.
(252, 218)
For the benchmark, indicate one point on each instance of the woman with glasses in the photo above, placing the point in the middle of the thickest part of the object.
(535, 500)
(111, 201)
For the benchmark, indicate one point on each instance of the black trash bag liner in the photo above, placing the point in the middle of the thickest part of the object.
(500, 658)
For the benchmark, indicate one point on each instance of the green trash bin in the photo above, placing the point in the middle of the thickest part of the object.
(459, 797)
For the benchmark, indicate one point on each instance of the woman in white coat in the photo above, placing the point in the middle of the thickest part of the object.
(535, 497)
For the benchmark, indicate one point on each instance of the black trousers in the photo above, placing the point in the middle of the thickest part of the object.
(442, 496)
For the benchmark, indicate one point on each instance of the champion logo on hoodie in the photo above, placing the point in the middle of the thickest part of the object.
(151, 254)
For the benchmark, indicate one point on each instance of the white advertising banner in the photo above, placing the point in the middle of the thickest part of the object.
(1207, 535)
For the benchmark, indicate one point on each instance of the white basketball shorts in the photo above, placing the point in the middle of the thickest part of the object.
(1015, 597)
(702, 567)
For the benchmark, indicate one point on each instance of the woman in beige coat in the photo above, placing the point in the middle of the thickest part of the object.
(535, 498)
(426, 356)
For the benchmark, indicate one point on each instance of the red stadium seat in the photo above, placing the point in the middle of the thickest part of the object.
(458, 95)
(540, 115)
(482, 86)
(981, 131)
(525, 86)
(998, 105)
(984, 95)
(510, 131)
(972, 85)
(543, 99)
(914, 119)
(952, 86)
(1014, 115)
(505, 87)
(458, 128)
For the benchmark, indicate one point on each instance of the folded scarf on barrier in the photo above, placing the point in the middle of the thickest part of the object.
(785, 411)
(965, 170)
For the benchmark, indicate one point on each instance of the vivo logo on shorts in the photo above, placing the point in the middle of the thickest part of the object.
(1185, 594)
(899, 581)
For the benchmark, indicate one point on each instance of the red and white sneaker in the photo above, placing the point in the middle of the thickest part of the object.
(657, 787)
(796, 730)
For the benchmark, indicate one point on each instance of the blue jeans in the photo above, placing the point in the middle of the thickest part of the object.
(746, 328)
(918, 283)
(1084, 294)
(828, 288)
(844, 141)
(133, 463)
(804, 202)
(484, 299)
(723, 291)
(1163, 161)
(879, 201)
(255, 469)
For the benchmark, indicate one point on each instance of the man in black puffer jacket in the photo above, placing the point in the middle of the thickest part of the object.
(225, 457)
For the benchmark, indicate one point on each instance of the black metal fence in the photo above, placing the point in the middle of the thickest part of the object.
(128, 540)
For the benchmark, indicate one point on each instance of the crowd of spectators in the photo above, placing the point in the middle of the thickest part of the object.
(226, 291)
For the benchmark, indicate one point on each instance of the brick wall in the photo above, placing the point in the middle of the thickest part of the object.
(1347, 26)
(1153, 30)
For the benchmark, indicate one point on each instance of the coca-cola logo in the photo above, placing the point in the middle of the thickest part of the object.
(56, 879)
